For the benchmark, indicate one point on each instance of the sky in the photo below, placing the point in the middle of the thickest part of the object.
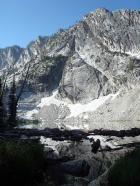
(22, 21)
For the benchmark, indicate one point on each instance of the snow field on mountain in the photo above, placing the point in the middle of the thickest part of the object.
(78, 108)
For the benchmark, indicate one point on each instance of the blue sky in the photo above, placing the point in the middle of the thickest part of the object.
(22, 21)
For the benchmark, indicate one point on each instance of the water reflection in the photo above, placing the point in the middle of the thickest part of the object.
(85, 125)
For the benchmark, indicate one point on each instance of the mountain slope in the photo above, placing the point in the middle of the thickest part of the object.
(98, 56)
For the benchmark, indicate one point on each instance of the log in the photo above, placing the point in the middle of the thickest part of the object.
(73, 135)
(110, 149)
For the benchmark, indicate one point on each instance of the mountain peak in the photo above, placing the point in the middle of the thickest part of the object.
(101, 9)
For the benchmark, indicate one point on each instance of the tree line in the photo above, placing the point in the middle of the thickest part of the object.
(8, 109)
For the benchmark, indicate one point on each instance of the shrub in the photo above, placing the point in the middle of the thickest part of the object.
(126, 171)
(131, 64)
(20, 162)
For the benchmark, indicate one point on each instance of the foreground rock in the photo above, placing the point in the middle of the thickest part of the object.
(77, 167)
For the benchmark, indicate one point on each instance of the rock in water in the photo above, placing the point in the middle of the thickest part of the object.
(76, 167)
(95, 146)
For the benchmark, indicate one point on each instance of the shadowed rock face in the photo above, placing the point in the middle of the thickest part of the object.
(81, 82)
(45, 76)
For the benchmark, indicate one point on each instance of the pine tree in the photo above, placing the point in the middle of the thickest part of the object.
(12, 104)
(1, 104)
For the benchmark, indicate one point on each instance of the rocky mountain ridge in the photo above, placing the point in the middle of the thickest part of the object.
(98, 56)
(118, 31)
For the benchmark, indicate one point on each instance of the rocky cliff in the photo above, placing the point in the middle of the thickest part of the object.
(98, 56)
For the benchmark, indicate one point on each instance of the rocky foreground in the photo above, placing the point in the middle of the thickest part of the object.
(77, 156)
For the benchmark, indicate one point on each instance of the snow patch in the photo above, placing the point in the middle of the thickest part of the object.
(85, 116)
(75, 109)
(78, 108)
(136, 55)
(29, 114)
(82, 56)
(50, 100)
(133, 54)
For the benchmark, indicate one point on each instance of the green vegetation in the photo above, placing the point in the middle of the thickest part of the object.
(1, 106)
(126, 170)
(23, 121)
(131, 64)
(45, 64)
(116, 53)
(20, 163)
(54, 58)
(12, 111)
(13, 71)
(36, 71)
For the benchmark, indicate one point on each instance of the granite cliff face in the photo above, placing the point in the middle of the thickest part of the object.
(98, 56)
(9, 56)
(103, 41)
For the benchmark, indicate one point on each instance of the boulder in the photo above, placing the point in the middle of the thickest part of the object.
(94, 183)
(100, 181)
(23, 137)
(76, 167)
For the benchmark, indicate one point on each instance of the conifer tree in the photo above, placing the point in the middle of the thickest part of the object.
(12, 104)
(1, 104)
